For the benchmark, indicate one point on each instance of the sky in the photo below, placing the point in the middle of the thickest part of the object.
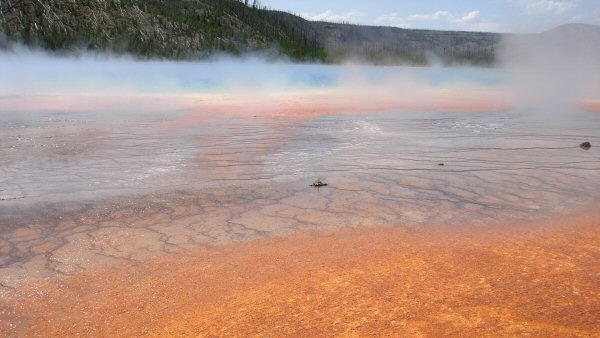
(519, 16)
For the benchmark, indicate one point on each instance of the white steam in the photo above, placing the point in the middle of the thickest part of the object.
(554, 70)
(34, 80)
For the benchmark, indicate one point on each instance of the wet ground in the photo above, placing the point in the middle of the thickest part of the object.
(446, 199)
(538, 278)
(78, 189)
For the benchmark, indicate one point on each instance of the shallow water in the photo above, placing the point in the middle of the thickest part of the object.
(58, 156)
(90, 176)
(79, 190)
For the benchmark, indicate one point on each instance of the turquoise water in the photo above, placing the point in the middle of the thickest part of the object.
(22, 74)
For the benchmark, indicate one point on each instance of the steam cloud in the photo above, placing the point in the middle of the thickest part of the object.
(36, 81)
(554, 70)
(546, 72)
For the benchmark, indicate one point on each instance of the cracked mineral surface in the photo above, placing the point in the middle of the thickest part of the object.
(124, 224)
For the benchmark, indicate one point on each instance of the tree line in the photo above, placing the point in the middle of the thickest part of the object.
(157, 28)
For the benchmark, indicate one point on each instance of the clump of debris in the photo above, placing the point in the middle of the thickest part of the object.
(318, 184)
(585, 145)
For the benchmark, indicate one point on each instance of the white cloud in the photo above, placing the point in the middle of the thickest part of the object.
(486, 26)
(469, 16)
(548, 7)
(349, 16)
(450, 17)
(591, 18)
(466, 22)
(435, 16)
(394, 20)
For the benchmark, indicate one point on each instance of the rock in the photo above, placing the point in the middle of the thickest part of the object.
(441, 164)
(585, 145)
(318, 184)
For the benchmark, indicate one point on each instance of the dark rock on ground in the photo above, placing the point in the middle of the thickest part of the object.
(318, 184)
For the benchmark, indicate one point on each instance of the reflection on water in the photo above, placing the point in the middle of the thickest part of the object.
(64, 156)
(79, 188)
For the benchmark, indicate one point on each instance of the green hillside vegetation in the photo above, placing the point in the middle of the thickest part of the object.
(174, 29)
(390, 45)
(195, 29)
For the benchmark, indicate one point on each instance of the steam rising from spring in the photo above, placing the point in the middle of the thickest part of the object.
(550, 71)
(556, 69)
(35, 81)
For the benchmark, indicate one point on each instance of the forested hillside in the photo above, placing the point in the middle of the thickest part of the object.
(157, 28)
(193, 29)
(390, 45)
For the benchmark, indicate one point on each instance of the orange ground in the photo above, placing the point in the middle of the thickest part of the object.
(541, 279)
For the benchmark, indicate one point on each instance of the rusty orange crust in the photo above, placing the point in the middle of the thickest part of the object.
(541, 279)
(301, 104)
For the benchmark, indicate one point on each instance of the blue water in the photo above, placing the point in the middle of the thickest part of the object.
(27, 73)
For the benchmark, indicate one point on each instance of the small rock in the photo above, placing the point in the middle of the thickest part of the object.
(318, 184)
(585, 145)
(441, 164)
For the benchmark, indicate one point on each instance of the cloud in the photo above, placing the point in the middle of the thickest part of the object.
(591, 18)
(486, 26)
(467, 22)
(329, 15)
(450, 17)
(393, 19)
(548, 7)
